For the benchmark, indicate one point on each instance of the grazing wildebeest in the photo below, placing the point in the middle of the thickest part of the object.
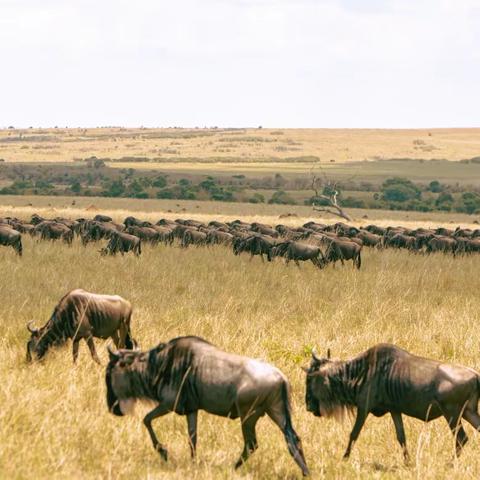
(343, 250)
(11, 238)
(83, 315)
(297, 251)
(386, 379)
(123, 243)
(189, 374)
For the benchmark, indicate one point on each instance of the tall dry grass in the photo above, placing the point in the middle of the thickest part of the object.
(53, 417)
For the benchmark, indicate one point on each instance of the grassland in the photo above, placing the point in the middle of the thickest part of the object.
(153, 210)
(54, 422)
(234, 145)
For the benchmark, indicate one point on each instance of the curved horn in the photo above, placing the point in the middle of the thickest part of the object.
(30, 328)
(112, 354)
(315, 356)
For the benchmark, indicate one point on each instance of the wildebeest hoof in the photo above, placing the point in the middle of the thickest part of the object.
(163, 453)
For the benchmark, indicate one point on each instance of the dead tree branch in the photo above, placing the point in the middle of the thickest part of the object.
(332, 207)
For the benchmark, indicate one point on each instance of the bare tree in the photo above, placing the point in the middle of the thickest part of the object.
(329, 194)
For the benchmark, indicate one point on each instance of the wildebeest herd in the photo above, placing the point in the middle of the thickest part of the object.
(188, 374)
(319, 243)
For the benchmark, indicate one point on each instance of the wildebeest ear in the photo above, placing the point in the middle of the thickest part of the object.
(329, 354)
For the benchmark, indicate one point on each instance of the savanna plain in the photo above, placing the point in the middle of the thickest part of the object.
(54, 421)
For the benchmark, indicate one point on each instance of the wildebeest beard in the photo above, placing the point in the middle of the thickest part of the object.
(342, 380)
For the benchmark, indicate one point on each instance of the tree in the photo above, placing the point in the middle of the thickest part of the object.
(435, 186)
(282, 198)
(470, 203)
(327, 201)
(399, 190)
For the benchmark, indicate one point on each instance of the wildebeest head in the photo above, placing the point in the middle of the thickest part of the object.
(122, 376)
(317, 384)
(35, 347)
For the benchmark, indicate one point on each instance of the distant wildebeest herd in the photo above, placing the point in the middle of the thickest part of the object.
(316, 242)
(188, 374)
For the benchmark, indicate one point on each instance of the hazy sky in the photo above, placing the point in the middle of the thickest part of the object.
(276, 63)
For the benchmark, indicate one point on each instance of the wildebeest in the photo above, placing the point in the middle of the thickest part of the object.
(102, 218)
(83, 315)
(189, 374)
(123, 243)
(343, 250)
(386, 379)
(56, 231)
(11, 238)
(193, 237)
(256, 245)
(297, 251)
(442, 244)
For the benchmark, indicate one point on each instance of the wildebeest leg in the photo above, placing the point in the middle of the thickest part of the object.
(116, 341)
(357, 427)
(147, 421)
(455, 423)
(76, 344)
(473, 418)
(398, 422)
(249, 438)
(296, 263)
(91, 347)
(294, 443)
(192, 432)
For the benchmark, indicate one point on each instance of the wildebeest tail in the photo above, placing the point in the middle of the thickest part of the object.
(19, 247)
(139, 247)
(130, 343)
(293, 440)
(287, 405)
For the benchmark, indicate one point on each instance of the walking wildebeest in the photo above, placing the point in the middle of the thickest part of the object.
(11, 238)
(83, 315)
(297, 251)
(344, 250)
(386, 379)
(123, 243)
(256, 245)
(189, 374)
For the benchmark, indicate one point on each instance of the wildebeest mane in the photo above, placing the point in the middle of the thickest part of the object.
(63, 324)
(344, 379)
(168, 364)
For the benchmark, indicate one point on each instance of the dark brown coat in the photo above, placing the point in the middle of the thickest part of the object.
(189, 374)
(386, 379)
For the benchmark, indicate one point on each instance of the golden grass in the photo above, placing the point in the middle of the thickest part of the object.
(53, 417)
(249, 145)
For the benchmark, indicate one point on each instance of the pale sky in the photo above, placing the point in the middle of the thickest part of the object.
(237, 63)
